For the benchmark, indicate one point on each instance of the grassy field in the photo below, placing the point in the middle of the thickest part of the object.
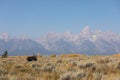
(63, 67)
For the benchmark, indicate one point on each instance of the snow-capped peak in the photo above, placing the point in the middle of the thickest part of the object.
(4, 36)
(87, 41)
(86, 30)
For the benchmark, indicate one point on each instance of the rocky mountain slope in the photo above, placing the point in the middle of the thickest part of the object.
(86, 42)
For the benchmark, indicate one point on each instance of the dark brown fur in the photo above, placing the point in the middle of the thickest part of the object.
(32, 58)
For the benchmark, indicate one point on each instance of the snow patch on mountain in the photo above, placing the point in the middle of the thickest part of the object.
(4, 36)
(87, 41)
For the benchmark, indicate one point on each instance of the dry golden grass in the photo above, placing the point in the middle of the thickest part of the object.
(63, 67)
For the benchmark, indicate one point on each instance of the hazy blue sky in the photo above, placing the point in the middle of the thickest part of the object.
(36, 17)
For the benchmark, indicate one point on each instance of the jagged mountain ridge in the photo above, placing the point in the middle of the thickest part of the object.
(87, 41)
(17, 46)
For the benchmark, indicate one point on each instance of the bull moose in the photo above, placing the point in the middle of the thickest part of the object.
(32, 58)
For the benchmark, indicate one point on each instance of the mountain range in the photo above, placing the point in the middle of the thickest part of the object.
(20, 46)
(86, 42)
